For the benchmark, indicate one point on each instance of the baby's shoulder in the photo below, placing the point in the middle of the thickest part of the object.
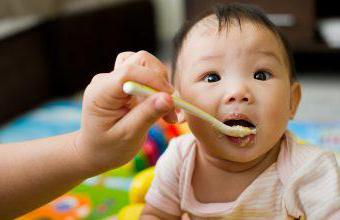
(179, 151)
(312, 180)
(182, 145)
(305, 153)
(306, 158)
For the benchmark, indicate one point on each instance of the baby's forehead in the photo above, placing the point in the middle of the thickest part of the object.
(255, 34)
(257, 37)
(213, 33)
(207, 25)
(211, 25)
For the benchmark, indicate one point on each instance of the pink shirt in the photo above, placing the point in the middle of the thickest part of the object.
(303, 183)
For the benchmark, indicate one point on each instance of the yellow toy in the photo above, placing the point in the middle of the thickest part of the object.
(139, 187)
(131, 212)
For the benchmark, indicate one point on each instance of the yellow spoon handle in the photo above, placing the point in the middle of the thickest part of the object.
(134, 88)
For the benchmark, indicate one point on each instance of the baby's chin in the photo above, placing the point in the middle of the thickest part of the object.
(235, 164)
(241, 159)
(239, 163)
(246, 160)
(225, 158)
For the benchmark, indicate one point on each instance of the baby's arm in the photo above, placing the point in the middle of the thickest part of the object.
(162, 198)
(315, 189)
(152, 213)
(113, 127)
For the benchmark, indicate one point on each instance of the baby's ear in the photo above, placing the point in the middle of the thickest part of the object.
(179, 112)
(295, 97)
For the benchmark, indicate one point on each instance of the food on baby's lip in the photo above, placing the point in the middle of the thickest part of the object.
(237, 127)
(246, 127)
(237, 131)
(240, 124)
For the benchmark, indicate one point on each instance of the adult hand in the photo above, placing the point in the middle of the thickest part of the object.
(114, 125)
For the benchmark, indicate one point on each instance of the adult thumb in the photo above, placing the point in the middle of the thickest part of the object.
(142, 116)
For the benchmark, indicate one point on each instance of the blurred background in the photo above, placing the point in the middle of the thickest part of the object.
(52, 48)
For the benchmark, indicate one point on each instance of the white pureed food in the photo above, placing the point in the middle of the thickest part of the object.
(134, 88)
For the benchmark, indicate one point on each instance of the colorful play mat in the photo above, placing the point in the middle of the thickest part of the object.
(102, 197)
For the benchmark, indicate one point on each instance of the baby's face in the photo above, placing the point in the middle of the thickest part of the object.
(237, 74)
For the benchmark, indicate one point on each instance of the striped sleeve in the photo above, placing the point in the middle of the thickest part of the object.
(314, 190)
(164, 191)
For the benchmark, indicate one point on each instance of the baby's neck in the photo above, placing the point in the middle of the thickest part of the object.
(260, 163)
(232, 177)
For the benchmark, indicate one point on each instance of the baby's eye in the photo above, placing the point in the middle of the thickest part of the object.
(211, 77)
(262, 75)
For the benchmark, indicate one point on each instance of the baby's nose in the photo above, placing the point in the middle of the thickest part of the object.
(236, 98)
(238, 94)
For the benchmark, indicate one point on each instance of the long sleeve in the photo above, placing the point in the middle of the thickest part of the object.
(164, 191)
(314, 189)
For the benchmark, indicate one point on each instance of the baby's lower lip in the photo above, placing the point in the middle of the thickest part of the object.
(241, 141)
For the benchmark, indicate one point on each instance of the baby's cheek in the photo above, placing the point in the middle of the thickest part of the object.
(199, 127)
(277, 101)
(277, 114)
(203, 100)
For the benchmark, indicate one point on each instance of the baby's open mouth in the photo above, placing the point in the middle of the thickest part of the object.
(239, 122)
(240, 141)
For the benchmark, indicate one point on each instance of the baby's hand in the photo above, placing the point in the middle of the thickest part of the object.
(114, 125)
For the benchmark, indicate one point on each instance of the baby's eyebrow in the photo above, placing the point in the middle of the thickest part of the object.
(207, 57)
(271, 54)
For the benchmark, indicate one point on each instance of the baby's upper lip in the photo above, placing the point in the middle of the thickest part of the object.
(235, 116)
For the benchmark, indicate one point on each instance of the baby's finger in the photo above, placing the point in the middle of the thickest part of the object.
(122, 57)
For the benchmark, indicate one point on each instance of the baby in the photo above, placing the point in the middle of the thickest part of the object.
(234, 64)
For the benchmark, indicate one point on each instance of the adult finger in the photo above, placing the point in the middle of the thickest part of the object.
(146, 59)
(120, 59)
(142, 75)
(137, 122)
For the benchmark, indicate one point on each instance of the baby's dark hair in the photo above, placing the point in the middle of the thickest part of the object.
(226, 14)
